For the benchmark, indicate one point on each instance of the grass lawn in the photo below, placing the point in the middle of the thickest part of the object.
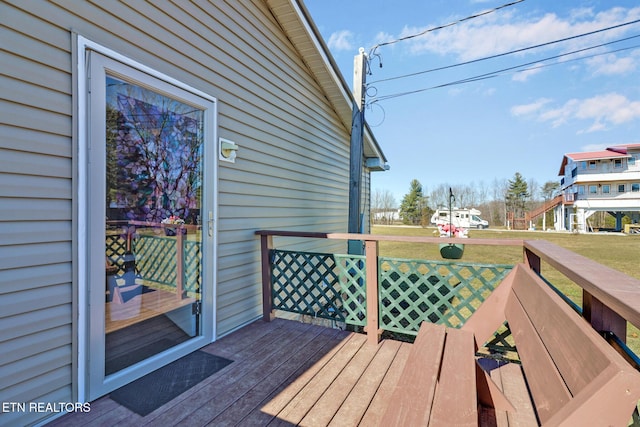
(614, 250)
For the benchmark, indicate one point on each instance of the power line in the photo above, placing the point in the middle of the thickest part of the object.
(507, 53)
(446, 25)
(504, 70)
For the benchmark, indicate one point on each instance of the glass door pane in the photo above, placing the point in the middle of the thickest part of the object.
(153, 234)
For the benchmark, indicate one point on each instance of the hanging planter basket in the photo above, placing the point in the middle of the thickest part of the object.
(451, 250)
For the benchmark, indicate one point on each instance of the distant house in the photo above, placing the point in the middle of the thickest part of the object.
(596, 181)
(119, 123)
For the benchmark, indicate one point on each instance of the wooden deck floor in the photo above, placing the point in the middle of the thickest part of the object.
(284, 373)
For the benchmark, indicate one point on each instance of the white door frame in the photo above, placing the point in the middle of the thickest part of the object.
(86, 384)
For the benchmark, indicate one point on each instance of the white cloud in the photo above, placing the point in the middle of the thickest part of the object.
(611, 64)
(506, 31)
(341, 40)
(603, 111)
(527, 109)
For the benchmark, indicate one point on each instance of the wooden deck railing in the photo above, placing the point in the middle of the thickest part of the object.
(610, 298)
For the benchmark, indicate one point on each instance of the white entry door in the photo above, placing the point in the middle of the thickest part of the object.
(150, 228)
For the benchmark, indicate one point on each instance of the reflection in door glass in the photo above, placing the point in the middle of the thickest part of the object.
(154, 170)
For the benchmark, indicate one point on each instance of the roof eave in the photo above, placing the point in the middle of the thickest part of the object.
(294, 18)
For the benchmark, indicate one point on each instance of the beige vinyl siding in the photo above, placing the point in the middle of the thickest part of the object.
(35, 215)
(291, 171)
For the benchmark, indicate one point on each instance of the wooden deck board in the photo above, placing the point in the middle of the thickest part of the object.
(330, 402)
(283, 373)
(357, 402)
(377, 407)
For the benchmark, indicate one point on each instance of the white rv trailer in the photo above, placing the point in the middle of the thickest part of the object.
(462, 217)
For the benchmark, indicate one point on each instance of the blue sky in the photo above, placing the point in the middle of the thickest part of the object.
(479, 132)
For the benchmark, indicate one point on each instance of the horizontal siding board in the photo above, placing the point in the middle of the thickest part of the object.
(266, 212)
(291, 222)
(34, 276)
(33, 118)
(316, 203)
(20, 233)
(35, 366)
(38, 50)
(37, 254)
(275, 127)
(27, 70)
(289, 172)
(25, 347)
(44, 98)
(27, 163)
(232, 295)
(31, 186)
(33, 141)
(272, 187)
(18, 209)
(31, 300)
(30, 322)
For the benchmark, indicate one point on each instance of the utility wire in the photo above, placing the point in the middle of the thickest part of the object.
(507, 53)
(504, 70)
(446, 25)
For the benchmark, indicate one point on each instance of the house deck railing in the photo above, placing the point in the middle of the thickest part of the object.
(390, 294)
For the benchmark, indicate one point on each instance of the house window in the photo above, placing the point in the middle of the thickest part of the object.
(574, 172)
(606, 189)
(617, 163)
(580, 189)
(635, 187)
(620, 188)
(593, 189)
(592, 164)
(632, 160)
(583, 165)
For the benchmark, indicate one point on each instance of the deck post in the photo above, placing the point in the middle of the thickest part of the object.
(532, 260)
(266, 244)
(180, 263)
(602, 318)
(372, 328)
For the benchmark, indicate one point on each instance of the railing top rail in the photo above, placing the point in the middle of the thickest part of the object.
(615, 289)
(383, 238)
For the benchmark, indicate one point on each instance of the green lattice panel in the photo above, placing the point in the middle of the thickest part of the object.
(156, 259)
(317, 284)
(412, 291)
(115, 249)
(352, 274)
(192, 266)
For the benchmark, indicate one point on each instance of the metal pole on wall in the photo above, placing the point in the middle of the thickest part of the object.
(356, 150)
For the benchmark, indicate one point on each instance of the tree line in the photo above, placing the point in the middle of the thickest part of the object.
(497, 201)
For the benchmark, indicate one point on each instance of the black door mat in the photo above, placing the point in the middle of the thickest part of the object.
(150, 392)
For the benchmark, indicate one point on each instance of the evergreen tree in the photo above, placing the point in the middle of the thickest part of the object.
(412, 204)
(517, 195)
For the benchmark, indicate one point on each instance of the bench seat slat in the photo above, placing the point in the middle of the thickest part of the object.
(410, 404)
(547, 387)
(456, 402)
(510, 379)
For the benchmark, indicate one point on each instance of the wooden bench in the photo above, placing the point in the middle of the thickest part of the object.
(569, 375)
